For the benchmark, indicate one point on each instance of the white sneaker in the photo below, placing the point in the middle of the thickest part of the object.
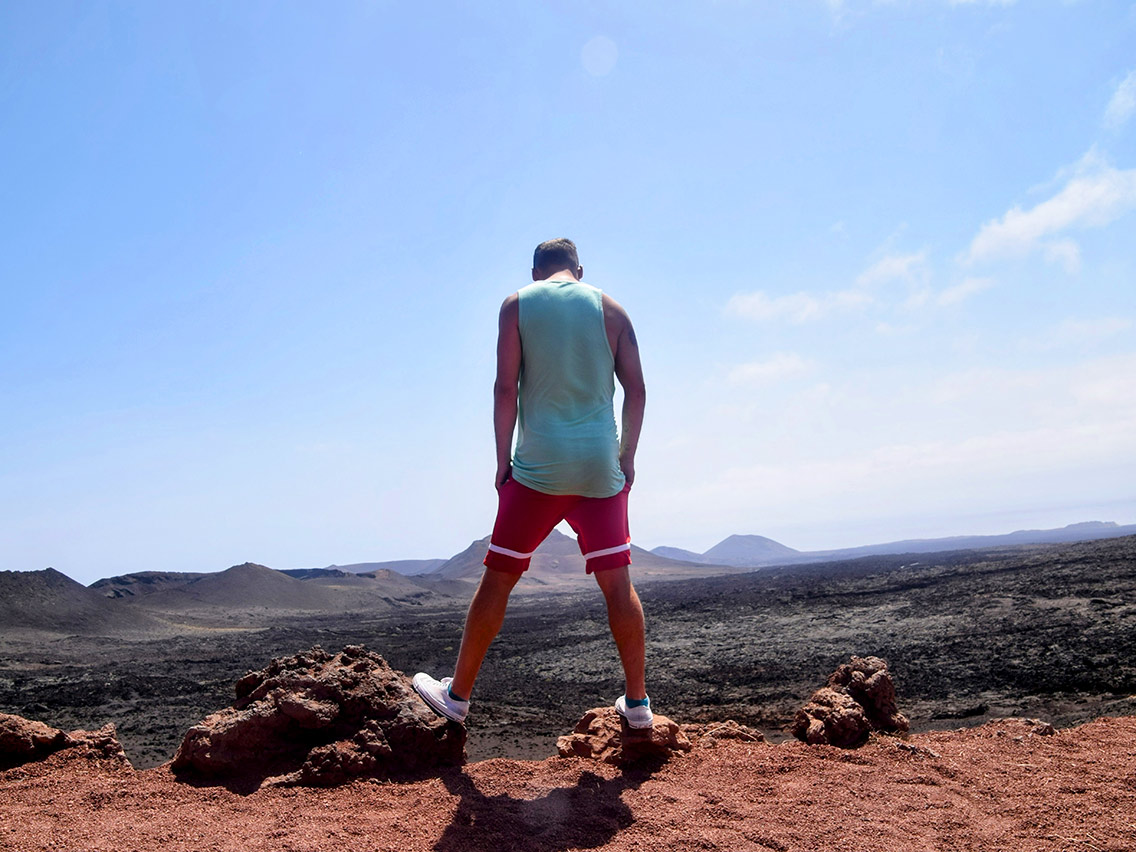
(637, 717)
(436, 694)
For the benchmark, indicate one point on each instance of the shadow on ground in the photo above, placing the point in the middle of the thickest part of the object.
(584, 816)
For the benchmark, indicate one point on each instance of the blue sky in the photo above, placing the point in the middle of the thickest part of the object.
(880, 258)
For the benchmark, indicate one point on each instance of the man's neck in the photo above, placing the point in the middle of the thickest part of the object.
(561, 275)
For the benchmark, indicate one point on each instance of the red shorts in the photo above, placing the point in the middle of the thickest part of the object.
(525, 517)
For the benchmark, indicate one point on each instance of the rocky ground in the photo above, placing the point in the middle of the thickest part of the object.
(1001, 787)
(1044, 632)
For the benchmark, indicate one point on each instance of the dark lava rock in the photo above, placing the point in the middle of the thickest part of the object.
(602, 734)
(859, 699)
(25, 740)
(320, 719)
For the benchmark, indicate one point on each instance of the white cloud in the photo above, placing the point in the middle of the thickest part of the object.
(1123, 103)
(887, 329)
(962, 291)
(796, 307)
(1095, 196)
(1066, 253)
(912, 271)
(908, 268)
(1079, 332)
(1052, 394)
(782, 365)
(885, 443)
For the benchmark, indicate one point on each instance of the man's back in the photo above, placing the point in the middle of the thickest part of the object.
(567, 433)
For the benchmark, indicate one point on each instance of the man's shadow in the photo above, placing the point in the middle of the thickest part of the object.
(581, 817)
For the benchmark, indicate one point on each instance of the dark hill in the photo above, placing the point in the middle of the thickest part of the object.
(51, 601)
(748, 550)
(465, 565)
(757, 551)
(1085, 531)
(315, 573)
(244, 591)
(558, 562)
(383, 584)
(557, 559)
(679, 554)
(243, 586)
(141, 583)
(407, 567)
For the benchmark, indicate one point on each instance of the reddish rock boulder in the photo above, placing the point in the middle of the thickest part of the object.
(859, 699)
(868, 680)
(25, 740)
(100, 747)
(320, 719)
(603, 735)
(831, 718)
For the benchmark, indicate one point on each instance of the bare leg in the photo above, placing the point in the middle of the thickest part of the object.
(484, 619)
(625, 617)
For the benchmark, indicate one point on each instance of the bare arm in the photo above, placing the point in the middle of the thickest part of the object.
(629, 371)
(505, 386)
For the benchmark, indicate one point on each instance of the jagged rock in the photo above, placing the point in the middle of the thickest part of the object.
(831, 718)
(320, 719)
(709, 734)
(922, 751)
(868, 680)
(25, 740)
(101, 747)
(1026, 727)
(1040, 728)
(603, 735)
(859, 699)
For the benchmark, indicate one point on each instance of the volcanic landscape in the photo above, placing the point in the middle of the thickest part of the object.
(1045, 631)
(971, 636)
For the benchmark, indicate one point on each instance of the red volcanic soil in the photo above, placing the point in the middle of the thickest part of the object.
(998, 787)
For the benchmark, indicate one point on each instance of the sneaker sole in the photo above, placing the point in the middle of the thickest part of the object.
(631, 724)
(441, 711)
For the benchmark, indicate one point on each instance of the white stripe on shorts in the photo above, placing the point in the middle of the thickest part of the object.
(606, 552)
(504, 551)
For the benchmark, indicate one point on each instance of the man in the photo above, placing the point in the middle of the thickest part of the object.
(560, 343)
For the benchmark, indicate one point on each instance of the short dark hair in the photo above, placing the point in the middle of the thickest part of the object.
(553, 255)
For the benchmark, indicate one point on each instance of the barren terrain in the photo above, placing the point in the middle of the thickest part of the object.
(999, 787)
(1045, 631)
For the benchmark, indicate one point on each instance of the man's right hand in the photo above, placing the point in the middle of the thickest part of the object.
(504, 474)
(627, 465)
(505, 386)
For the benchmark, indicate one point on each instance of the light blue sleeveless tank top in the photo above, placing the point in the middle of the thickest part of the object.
(567, 441)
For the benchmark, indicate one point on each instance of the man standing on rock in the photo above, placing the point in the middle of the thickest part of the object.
(561, 344)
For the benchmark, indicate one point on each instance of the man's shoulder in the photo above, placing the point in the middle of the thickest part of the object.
(613, 310)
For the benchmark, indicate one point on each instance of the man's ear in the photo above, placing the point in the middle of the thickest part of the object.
(535, 274)
(579, 273)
